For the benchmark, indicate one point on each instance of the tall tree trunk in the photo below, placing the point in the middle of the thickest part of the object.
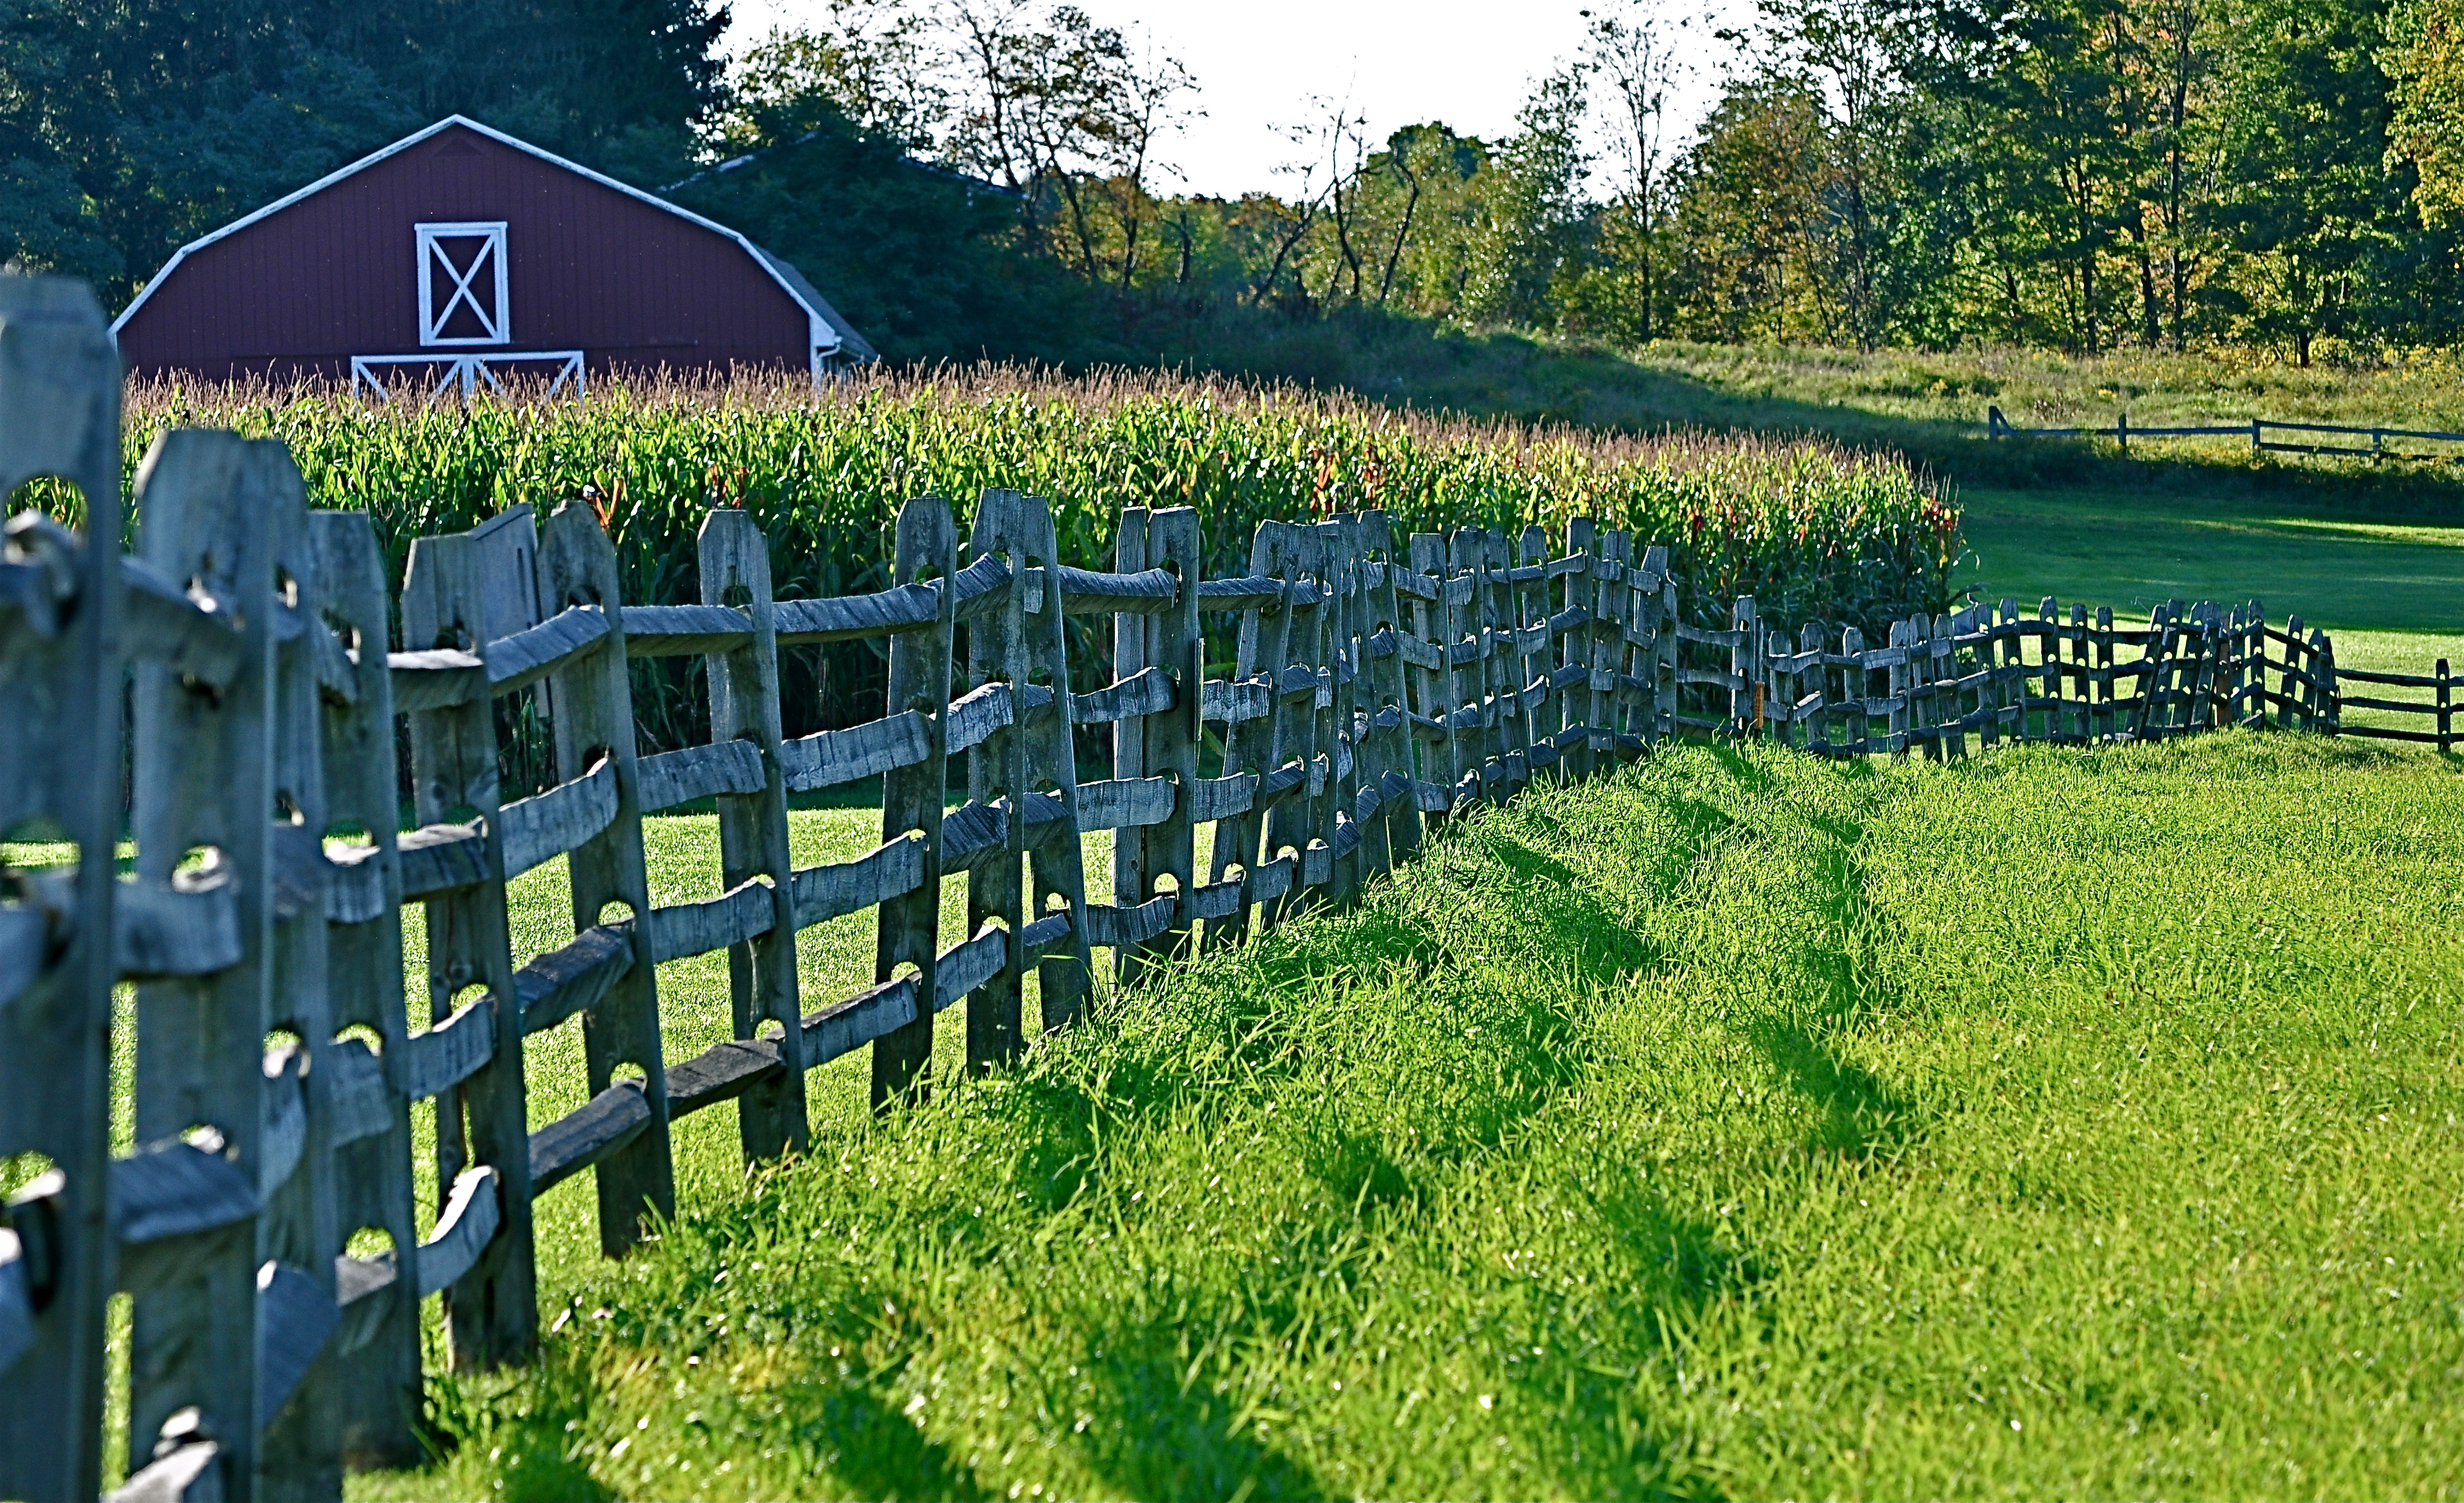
(2151, 311)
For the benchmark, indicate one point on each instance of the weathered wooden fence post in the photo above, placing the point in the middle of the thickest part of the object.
(2332, 701)
(60, 740)
(753, 833)
(492, 1308)
(1055, 936)
(907, 926)
(2445, 736)
(1388, 736)
(1436, 622)
(600, 793)
(1310, 808)
(204, 783)
(1292, 688)
(1151, 859)
(1646, 624)
(373, 1363)
(1251, 713)
(1573, 681)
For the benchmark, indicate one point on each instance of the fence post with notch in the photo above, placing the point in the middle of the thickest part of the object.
(907, 926)
(203, 781)
(1249, 712)
(451, 864)
(1167, 739)
(1389, 731)
(747, 730)
(1054, 941)
(593, 817)
(60, 739)
(373, 1365)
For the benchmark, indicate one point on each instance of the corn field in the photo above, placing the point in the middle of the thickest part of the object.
(1812, 530)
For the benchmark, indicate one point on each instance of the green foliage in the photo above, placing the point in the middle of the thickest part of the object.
(923, 263)
(1738, 1126)
(2080, 173)
(1753, 264)
(1535, 226)
(2426, 58)
(1845, 535)
(133, 128)
(2314, 214)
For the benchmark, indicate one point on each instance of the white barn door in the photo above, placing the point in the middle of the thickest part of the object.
(462, 285)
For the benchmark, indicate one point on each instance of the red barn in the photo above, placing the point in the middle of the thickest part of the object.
(458, 256)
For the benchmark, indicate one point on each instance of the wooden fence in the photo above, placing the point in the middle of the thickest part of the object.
(1995, 674)
(2308, 437)
(1381, 684)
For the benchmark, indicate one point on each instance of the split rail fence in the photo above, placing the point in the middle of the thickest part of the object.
(2308, 437)
(1995, 675)
(1381, 684)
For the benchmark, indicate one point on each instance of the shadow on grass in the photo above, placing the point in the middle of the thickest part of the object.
(864, 1438)
(1857, 1113)
(1165, 1435)
(1252, 1007)
(1499, 374)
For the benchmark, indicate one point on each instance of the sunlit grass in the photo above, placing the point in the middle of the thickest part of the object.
(2058, 1123)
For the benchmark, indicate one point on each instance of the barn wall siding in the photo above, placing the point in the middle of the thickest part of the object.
(336, 275)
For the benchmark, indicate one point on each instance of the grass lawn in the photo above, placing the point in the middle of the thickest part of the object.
(2059, 1122)
(2130, 552)
(2388, 589)
(2040, 388)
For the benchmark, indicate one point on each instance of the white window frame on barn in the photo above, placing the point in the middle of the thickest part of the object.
(466, 372)
(495, 319)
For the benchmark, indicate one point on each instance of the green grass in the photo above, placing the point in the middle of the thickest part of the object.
(1930, 405)
(2389, 591)
(2131, 551)
(2036, 388)
(2061, 1123)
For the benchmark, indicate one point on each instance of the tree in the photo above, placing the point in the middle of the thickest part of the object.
(2310, 203)
(1635, 52)
(140, 124)
(924, 260)
(1851, 52)
(876, 61)
(1536, 228)
(2425, 59)
(1750, 220)
(1068, 116)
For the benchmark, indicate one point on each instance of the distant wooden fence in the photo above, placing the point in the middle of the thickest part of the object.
(1381, 684)
(2256, 430)
(1993, 674)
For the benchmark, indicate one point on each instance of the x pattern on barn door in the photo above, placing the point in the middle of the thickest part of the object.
(462, 284)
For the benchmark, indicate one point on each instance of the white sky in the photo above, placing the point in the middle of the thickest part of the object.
(1258, 62)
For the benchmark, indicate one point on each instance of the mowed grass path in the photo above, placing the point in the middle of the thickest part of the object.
(1739, 1126)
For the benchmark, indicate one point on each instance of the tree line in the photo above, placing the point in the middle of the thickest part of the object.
(991, 175)
(2085, 175)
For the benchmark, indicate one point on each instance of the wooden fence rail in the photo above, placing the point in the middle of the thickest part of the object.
(2255, 430)
(1993, 674)
(1381, 684)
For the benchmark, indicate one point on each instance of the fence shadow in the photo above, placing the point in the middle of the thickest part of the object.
(1166, 1437)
